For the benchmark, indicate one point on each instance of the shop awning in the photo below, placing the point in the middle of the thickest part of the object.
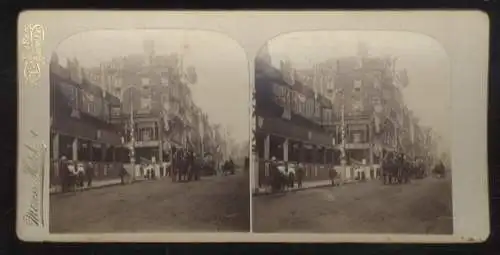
(289, 130)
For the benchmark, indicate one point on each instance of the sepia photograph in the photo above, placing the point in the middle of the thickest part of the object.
(251, 126)
(144, 134)
(352, 134)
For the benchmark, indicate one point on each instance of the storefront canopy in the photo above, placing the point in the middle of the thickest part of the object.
(286, 129)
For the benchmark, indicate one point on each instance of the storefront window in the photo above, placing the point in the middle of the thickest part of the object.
(308, 154)
(83, 150)
(357, 137)
(65, 147)
(329, 156)
(109, 154)
(96, 152)
(295, 152)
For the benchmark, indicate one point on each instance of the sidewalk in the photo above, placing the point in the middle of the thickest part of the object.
(96, 184)
(305, 185)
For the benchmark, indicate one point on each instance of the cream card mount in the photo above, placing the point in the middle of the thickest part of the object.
(138, 126)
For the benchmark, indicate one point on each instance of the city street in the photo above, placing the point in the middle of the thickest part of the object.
(217, 203)
(421, 207)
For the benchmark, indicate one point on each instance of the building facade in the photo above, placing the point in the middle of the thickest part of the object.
(81, 129)
(290, 121)
(376, 120)
(155, 94)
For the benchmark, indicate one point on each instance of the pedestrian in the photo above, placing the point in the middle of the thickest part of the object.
(64, 174)
(80, 174)
(71, 177)
(89, 173)
(300, 174)
(122, 173)
(333, 175)
(276, 177)
(190, 162)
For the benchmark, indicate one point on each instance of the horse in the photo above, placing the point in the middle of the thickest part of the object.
(391, 172)
(177, 170)
(185, 167)
(196, 168)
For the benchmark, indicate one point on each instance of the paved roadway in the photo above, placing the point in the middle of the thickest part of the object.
(218, 203)
(421, 207)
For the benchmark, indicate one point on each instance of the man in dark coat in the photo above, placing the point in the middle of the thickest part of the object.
(190, 165)
(122, 174)
(64, 174)
(300, 174)
(89, 173)
(387, 169)
(406, 169)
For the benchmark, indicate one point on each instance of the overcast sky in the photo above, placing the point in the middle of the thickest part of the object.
(428, 93)
(222, 90)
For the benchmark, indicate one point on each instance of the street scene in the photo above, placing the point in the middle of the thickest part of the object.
(352, 134)
(156, 206)
(360, 208)
(142, 138)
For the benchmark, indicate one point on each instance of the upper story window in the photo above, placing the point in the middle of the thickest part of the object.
(376, 83)
(165, 81)
(145, 81)
(357, 85)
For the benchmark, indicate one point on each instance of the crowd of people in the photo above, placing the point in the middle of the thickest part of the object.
(284, 175)
(395, 168)
(75, 175)
(185, 165)
(400, 168)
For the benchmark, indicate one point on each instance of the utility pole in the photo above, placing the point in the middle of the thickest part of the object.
(160, 128)
(343, 161)
(132, 137)
(342, 124)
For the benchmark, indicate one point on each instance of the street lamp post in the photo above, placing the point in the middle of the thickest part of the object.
(132, 139)
(342, 116)
(343, 134)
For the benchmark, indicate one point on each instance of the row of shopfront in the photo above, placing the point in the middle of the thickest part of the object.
(91, 125)
(80, 127)
(279, 140)
(295, 124)
(275, 139)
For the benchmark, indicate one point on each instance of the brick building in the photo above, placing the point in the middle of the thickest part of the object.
(290, 121)
(81, 128)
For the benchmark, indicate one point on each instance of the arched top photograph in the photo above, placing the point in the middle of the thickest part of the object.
(145, 107)
(384, 98)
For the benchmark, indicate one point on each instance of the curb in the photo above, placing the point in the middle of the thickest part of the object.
(97, 187)
(290, 191)
(258, 194)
